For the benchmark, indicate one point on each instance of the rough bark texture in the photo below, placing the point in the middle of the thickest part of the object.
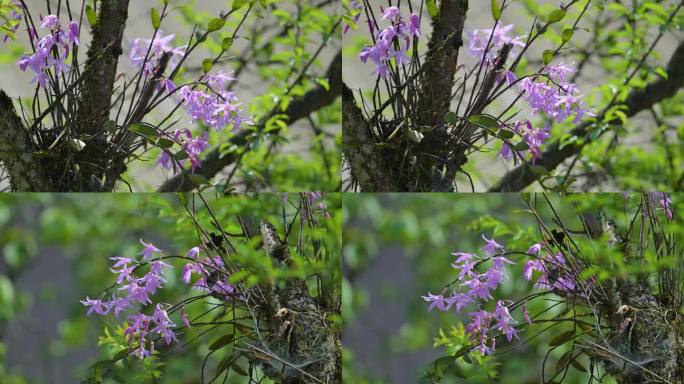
(309, 349)
(298, 108)
(437, 172)
(58, 173)
(17, 151)
(368, 166)
(642, 328)
(442, 57)
(637, 101)
(379, 166)
(96, 94)
(100, 69)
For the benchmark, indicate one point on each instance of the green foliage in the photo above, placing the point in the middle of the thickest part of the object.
(423, 230)
(286, 66)
(8, 24)
(88, 229)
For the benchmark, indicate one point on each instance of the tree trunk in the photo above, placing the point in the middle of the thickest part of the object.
(645, 341)
(303, 345)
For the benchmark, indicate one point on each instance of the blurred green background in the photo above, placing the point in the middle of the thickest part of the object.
(55, 250)
(397, 247)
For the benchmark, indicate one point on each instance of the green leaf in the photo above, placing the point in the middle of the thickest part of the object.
(239, 370)
(180, 155)
(120, 355)
(578, 366)
(163, 142)
(237, 4)
(567, 35)
(226, 43)
(110, 126)
(565, 336)
(432, 8)
(506, 134)
(226, 339)
(451, 118)
(156, 19)
(496, 10)
(207, 64)
(447, 364)
(91, 15)
(484, 121)
(224, 364)
(556, 16)
(661, 72)
(144, 129)
(563, 361)
(547, 56)
(522, 146)
(323, 82)
(216, 24)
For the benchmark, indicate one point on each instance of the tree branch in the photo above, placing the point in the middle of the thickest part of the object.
(367, 165)
(639, 99)
(17, 151)
(298, 108)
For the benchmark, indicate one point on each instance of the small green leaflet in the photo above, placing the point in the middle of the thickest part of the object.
(207, 64)
(237, 4)
(216, 24)
(547, 56)
(91, 15)
(226, 43)
(556, 16)
(432, 8)
(156, 19)
(567, 35)
(451, 118)
(496, 10)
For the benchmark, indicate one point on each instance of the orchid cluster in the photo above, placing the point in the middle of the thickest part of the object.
(211, 270)
(545, 266)
(137, 291)
(51, 50)
(549, 91)
(483, 324)
(213, 105)
(665, 204)
(193, 146)
(497, 39)
(147, 53)
(392, 41)
(314, 198)
(133, 291)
